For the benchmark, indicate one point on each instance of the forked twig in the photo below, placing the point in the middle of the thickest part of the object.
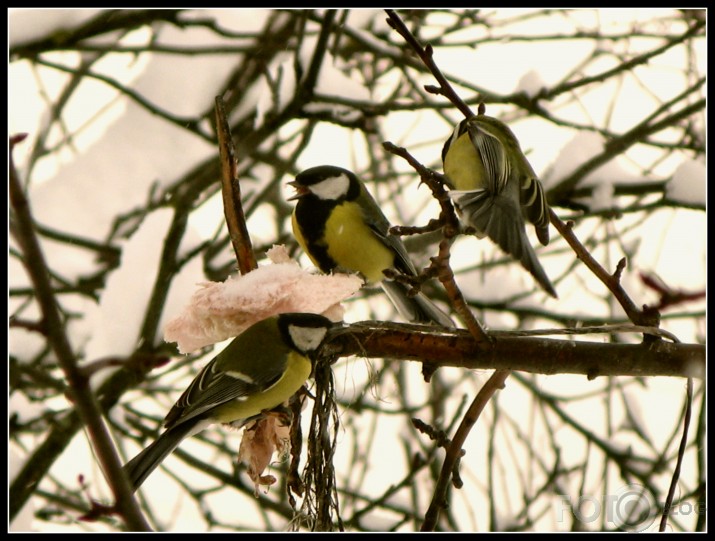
(440, 264)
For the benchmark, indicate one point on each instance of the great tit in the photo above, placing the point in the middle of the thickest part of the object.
(338, 224)
(496, 190)
(260, 369)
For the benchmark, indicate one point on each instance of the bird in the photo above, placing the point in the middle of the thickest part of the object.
(259, 370)
(342, 229)
(495, 189)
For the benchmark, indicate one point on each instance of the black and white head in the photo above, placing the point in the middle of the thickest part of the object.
(326, 183)
(304, 332)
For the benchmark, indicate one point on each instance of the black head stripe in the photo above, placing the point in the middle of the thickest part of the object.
(313, 175)
(311, 213)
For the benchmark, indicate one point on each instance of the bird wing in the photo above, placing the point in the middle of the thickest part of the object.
(380, 226)
(535, 207)
(498, 170)
(211, 389)
(403, 263)
(500, 218)
(468, 197)
(493, 156)
(226, 379)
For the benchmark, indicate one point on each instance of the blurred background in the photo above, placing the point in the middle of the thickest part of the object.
(121, 171)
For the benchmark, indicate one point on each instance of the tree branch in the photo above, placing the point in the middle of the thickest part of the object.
(23, 230)
(513, 351)
(231, 191)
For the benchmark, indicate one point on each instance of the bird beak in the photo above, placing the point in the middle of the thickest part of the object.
(300, 190)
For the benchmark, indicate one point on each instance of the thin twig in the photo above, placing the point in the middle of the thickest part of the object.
(426, 55)
(187, 123)
(681, 455)
(440, 264)
(647, 317)
(454, 452)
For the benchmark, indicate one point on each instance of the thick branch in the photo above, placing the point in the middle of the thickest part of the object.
(457, 348)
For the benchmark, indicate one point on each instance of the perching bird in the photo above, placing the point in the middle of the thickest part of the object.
(263, 366)
(496, 190)
(338, 224)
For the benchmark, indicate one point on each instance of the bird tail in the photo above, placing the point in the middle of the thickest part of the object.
(141, 466)
(500, 218)
(417, 308)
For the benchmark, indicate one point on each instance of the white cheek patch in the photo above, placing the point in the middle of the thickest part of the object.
(307, 338)
(331, 188)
